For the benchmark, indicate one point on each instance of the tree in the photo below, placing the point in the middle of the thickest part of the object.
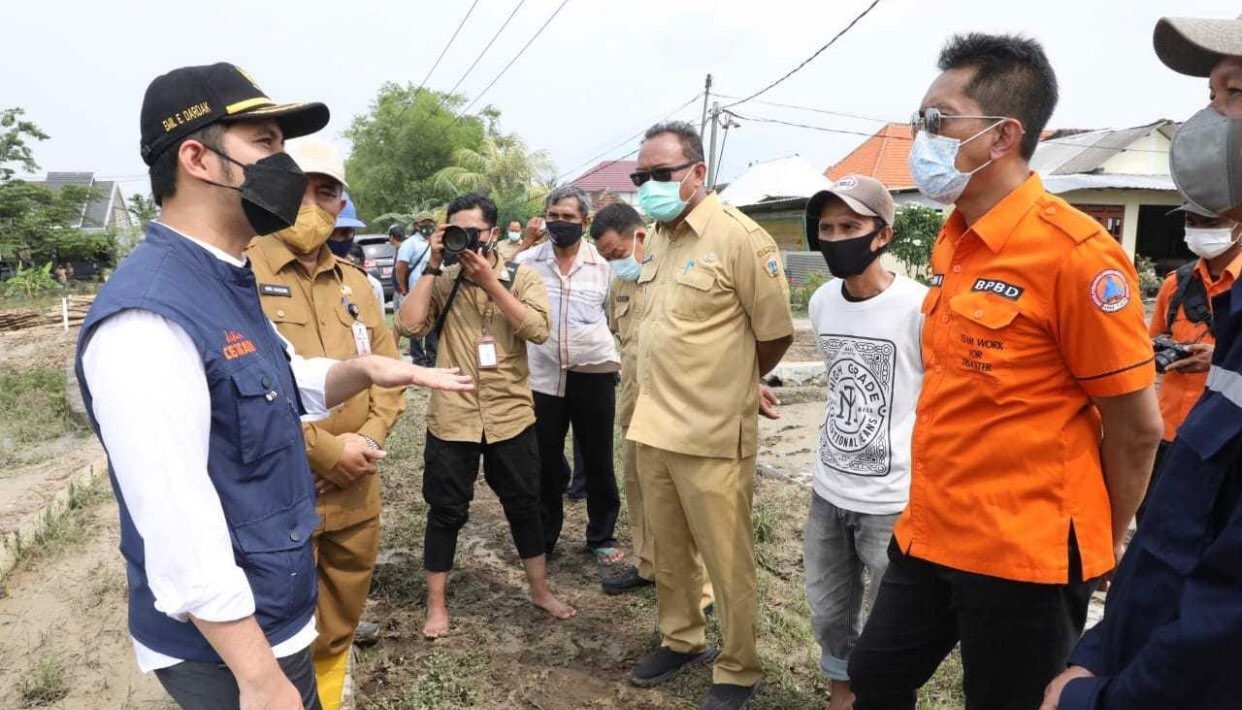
(14, 147)
(408, 135)
(914, 234)
(143, 209)
(504, 169)
(39, 226)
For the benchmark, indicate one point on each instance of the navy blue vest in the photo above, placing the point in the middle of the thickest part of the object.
(257, 460)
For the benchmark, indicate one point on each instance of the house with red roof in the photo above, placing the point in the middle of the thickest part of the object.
(609, 182)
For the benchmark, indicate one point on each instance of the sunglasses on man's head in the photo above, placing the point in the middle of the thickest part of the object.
(638, 177)
(931, 119)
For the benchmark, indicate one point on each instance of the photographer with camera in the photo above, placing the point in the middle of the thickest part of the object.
(485, 311)
(1181, 325)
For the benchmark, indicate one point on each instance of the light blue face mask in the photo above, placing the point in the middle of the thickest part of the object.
(626, 269)
(514, 236)
(662, 201)
(933, 165)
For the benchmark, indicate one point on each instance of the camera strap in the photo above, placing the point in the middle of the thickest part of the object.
(510, 266)
(1190, 297)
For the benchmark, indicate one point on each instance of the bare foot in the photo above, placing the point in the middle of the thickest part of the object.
(553, 606)
(437, 622)
(842, 697)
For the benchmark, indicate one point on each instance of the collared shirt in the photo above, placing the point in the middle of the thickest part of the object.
(414, 252)
(151, 401)
(312, 311)
(623, 309)
(500, 406)
(711, 289)
(579, 339)
(1033, 310)
(1180, 390)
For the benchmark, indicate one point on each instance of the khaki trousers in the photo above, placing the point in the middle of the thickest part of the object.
(702, 506)
(345, 561)
(643, 546)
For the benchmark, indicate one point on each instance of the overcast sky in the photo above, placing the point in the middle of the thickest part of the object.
(602, 71)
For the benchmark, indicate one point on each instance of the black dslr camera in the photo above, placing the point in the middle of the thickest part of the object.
(459, 239)
(1168, 352)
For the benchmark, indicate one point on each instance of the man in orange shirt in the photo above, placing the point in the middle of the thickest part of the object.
(1184, 315)
(1037, 422)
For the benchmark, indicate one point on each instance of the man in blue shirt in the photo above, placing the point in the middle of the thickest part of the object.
(1171, 635)
(411, 259)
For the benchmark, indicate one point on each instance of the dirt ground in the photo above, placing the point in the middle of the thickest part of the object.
(68, 609)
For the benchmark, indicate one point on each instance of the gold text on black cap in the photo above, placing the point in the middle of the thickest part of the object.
(186, 115)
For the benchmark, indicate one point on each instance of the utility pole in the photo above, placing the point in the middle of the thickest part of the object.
(711, 153)
(707, 92)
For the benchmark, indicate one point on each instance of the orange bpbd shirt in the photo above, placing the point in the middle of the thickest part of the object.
(1032, 311)
(1180, 390)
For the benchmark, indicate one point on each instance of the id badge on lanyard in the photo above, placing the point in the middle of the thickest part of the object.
(362, 338)
(485, 346)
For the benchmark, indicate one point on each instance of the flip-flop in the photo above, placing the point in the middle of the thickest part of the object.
(607, 556)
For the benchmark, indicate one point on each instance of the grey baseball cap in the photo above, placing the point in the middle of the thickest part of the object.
(864, 195)
(1194, 45)
(1205, 161)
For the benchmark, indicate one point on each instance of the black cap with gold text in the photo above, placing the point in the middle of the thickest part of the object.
(184, 100)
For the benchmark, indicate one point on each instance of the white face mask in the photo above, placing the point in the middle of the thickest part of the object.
(1209, 242)
(933, 165)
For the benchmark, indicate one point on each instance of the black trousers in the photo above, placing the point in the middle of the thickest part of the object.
(511, 469)
(211, 686)
(1015, 636)
(590, 405)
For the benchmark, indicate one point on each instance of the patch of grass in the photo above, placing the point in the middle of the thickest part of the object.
(764, 519)
(33, 411)
(45, 685)
(71, 527)
(438, 681)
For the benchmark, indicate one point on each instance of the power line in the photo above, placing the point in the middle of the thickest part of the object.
(811, 109)
(489, 46)
(903, 137)
(444, 51)
(627, 141)
(809, 59)
(517, 56)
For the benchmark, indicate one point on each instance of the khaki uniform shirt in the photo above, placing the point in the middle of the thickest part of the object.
(501, 406)
(710, 289)
(507, 249)
(622, 320)
(309, 312)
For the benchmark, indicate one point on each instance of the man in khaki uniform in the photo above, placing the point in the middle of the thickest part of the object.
(619, 233)
(488, 311)
(325, 306)
(715, 317)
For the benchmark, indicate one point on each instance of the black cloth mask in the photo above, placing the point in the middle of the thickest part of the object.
(271, 191)
(564, 234)
(849, 257)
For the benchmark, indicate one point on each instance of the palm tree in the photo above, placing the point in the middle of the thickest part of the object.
(505, 170)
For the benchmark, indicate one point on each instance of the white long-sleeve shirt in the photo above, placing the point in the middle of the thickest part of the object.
(579, 340)
(150, 398)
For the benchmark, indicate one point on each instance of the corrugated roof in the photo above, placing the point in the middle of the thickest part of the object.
(883, 156)
(97, 211)
(775, 179)
(1087, 151)
(608, 175)
(1057, 184)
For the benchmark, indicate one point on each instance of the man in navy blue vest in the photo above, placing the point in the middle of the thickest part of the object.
(1171, 636)
(197, 401)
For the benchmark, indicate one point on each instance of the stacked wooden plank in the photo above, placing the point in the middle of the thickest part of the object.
(23, 318)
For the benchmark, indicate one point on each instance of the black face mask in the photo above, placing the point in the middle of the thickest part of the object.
(850, 257)
(271, 191)
(340, 248)
(564, 234)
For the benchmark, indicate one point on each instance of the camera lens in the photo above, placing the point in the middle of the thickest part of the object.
(456, 239)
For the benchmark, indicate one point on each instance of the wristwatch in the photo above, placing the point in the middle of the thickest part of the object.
(432, 271)
(371, 442)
